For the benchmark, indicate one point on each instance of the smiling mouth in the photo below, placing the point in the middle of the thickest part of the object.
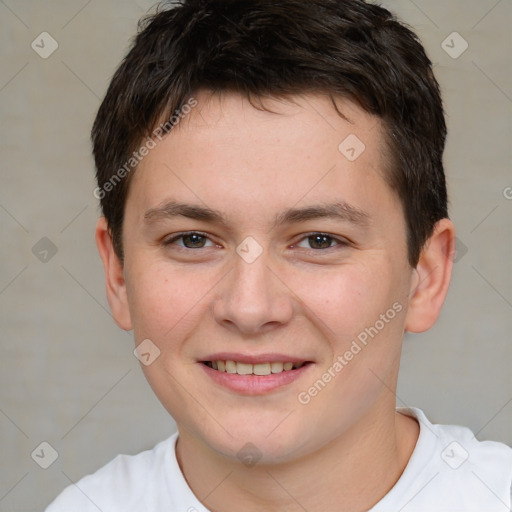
(260, 369)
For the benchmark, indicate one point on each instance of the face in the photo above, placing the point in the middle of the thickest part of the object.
(268, 240)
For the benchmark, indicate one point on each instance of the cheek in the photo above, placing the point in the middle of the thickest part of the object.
(166, 303)
(360, 312)
(345, 298)
(157, 300)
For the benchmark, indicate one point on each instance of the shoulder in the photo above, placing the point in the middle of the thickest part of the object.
(481, 471)
(460, 449)
(122, 484)
(459, 472)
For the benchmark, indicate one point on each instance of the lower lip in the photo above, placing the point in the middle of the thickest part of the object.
(255, 384)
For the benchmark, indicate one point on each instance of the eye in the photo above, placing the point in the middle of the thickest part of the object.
(191, 240)
(318, 241)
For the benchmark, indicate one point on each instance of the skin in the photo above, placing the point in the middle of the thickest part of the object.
(347, 447)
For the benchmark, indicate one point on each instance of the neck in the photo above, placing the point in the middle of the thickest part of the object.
(352, 472)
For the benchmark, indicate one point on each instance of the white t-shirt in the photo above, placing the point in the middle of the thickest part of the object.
(449, 471)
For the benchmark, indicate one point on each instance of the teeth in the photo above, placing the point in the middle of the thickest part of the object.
(243, 369)
(276, 367)
(253, 369)
(230, 367)
(261, 369)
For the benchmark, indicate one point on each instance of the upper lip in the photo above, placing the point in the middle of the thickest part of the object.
(255, 358)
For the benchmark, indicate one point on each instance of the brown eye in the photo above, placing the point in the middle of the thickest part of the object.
(320, 241)
(193, 240)
(190, 240)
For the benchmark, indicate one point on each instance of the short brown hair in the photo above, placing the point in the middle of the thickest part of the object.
(277, 48)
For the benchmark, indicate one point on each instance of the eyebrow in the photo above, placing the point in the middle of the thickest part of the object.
(173, 209)
(339, 210)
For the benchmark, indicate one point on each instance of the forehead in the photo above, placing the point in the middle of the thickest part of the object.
(278, 120)
(231, 154)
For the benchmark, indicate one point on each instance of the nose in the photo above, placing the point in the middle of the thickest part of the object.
(253, 298)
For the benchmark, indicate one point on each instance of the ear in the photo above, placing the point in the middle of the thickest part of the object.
(114, 276)
(432, 278)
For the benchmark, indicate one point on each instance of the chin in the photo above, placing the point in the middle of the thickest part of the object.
(260, 441)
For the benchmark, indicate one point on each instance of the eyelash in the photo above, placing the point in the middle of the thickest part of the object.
(339, 242)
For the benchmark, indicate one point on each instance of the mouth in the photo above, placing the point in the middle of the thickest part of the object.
(254, 375)
(259, 369)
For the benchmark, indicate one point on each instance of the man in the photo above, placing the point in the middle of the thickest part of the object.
(274, 219)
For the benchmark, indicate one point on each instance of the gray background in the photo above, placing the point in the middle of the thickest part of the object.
(68, 373)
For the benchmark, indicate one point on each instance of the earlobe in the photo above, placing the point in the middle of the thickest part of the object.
(431, 278)
(114, 276)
